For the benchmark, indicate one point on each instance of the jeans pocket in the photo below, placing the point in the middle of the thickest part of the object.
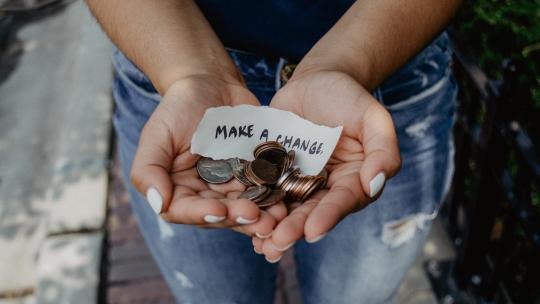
(424, 71)
(133, 77)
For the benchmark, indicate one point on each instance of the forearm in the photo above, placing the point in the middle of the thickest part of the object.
(167, 39)
(375, 37)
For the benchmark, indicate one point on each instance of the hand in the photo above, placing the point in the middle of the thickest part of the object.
(164, 168)
(366, 155)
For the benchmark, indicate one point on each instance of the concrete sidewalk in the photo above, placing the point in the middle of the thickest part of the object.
(55, 122)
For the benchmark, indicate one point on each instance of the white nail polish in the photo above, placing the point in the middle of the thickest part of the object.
(316, 239)
(212, 219)
(257, 252)
(243, 221)
(263, 236)
(273, 261)
(376, 184)
(282, 249)
(154, 199)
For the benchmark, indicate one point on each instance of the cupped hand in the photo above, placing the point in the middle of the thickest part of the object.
(164, 168)
(365, 157)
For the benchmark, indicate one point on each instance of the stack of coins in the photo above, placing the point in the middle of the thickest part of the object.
(271, 177)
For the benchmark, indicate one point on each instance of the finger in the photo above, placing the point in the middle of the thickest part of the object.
(270, 253)
(345, 196)
(291, 228)
(188, 207)
(262, 228)
(257, 245)
(278, 211)
(242, 211)
(382, 159)
(233, 185)
(151, 166)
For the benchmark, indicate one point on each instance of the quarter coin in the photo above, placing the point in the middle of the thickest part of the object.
(255, 193)
(214, 171)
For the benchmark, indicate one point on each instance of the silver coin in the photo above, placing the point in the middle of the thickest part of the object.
(214, 171)
(238, 166)
(273, 198)
(256, 193)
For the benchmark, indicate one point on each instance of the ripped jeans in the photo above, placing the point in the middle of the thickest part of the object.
(365, 257)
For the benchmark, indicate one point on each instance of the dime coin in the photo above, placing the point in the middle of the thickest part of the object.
(273, 198)
(255, 193)
(214, 171)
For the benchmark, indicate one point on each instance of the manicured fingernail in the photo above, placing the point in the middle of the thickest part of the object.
(243, 221)
(154, 198)
(263, 236)
(273, 261)
(376, 184)
(282, 249)
(316, 239)
(257, 252)
(212, 219)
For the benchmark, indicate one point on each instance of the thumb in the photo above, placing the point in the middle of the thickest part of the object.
(382, 159)
(151, 166)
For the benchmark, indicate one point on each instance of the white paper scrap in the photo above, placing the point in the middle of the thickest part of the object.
(227, 132)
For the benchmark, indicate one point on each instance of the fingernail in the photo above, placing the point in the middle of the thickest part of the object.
(263, 236)
(154, 198)
(212, 219)
(273, 261)
(243, 221)
(316, 239)
(282, 249)
(376, 184)
(257, 252)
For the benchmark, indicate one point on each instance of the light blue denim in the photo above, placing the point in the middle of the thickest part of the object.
(365, 257)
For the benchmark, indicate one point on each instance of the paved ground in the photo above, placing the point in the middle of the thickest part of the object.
(55, 112)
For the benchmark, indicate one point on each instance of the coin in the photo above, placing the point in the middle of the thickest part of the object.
(272, 152)
(286, 175)
(255, 193)
(262, 172)
(289, 162)
(271, 177)
(214, 171)
(238, 167)
(273, 198)
(324, 175)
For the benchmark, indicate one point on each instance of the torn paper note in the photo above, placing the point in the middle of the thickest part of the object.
(226, 132)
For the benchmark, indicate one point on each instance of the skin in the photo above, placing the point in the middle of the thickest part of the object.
(174, 45)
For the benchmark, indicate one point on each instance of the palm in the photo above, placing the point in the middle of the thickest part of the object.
(164, 152)
(367, 146)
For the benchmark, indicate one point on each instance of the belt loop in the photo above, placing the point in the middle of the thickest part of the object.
(280, 65)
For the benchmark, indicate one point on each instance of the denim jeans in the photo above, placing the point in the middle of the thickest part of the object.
(364, 258)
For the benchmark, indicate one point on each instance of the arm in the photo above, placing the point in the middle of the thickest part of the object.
(332, 85)
(374, 38)
(171, 41)
(167, 39)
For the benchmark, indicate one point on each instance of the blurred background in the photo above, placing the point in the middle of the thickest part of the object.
(67, 234)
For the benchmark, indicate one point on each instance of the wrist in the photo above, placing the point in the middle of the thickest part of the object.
(225, 74)
(353, 67)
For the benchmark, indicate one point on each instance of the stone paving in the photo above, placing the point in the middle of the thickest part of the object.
(55, 122)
